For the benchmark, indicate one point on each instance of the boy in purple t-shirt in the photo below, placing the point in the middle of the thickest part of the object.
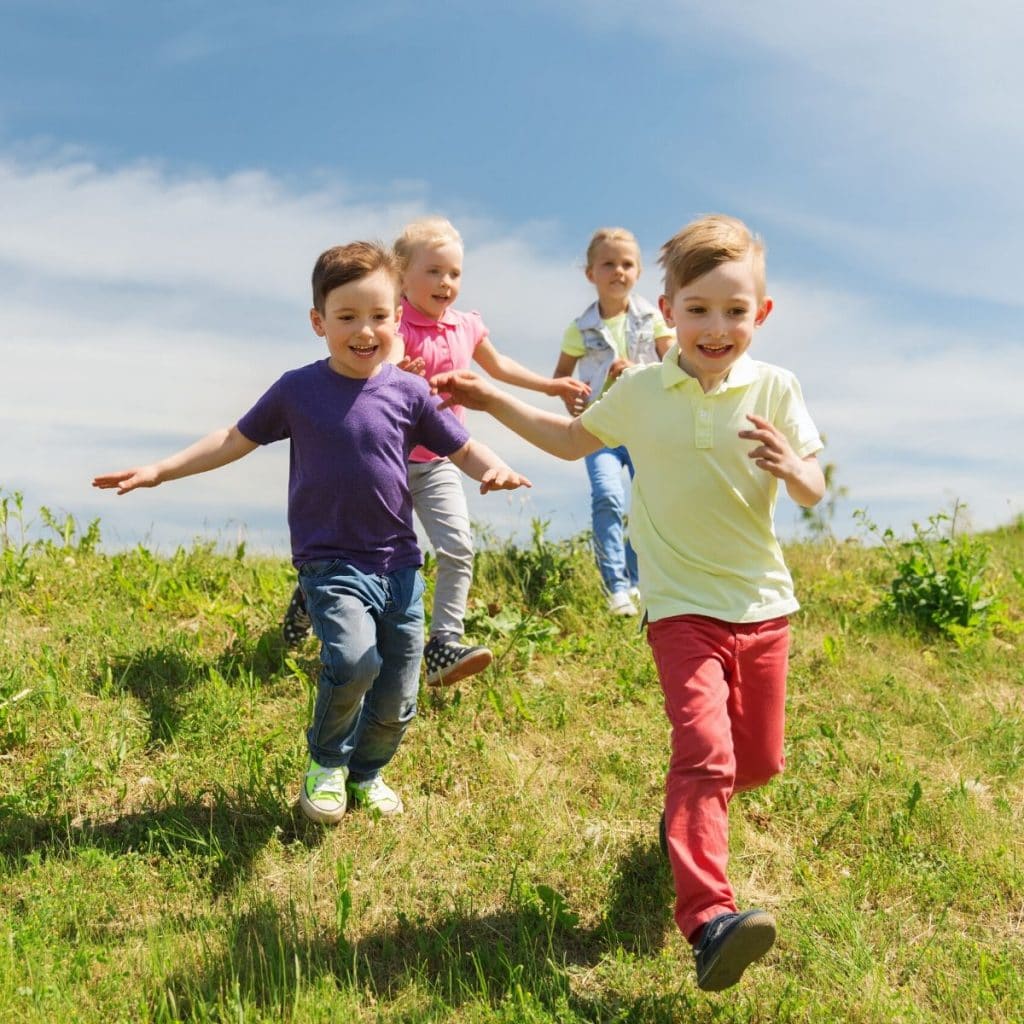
(352, 420)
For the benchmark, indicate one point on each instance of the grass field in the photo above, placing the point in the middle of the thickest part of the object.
(154, 865)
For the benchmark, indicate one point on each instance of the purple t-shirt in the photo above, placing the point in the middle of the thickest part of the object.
(348, 492)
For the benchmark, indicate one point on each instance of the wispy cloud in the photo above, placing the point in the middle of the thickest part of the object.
(139, 309)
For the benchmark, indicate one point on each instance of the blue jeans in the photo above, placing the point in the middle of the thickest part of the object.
(616, 560)
(370, 630)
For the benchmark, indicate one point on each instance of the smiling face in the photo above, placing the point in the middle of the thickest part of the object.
(614, 271)
(358, 323)
(715, 316)
(432, 279)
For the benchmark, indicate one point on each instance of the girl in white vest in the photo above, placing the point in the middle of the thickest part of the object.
(618, 330)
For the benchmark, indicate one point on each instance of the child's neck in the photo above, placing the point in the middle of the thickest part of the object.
(611, 308)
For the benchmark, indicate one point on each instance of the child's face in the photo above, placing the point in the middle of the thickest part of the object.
(433, 277)
(715, 316)
(358, 324)
(614, 270)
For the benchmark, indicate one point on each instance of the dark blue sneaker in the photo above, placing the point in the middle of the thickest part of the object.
(296, 626)
(729, 944)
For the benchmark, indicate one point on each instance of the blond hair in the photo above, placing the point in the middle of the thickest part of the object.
(602, 235)
(425, 231)
(704, 244)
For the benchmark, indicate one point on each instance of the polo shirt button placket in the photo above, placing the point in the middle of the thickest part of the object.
(704, 428)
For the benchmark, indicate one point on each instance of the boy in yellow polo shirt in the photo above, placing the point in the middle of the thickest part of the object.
(711, 433)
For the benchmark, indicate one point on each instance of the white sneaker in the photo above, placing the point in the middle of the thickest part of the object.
(376, 795)
(322, 797)
(620, 603)
(634, 593)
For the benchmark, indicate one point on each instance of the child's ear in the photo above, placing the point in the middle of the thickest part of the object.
(666, 309)
(763, 310)
(589, 272)
(317, 321)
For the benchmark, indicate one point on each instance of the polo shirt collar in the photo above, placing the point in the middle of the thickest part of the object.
(411, 315)
(742, 372)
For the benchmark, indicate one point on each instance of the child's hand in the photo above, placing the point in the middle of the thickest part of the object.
(502, 478)
(462, 387)
(618, 366)
(128, 479)
(773, 454)
(571, 391)
(417, 366)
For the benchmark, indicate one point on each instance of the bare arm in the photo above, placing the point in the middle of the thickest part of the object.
(663, 343)
(804, 480)
(565, 367)
(557, 435)
(476, 460)
(211, 452)
(508, 371)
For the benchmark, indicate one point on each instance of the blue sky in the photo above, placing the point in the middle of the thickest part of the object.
(169, 172)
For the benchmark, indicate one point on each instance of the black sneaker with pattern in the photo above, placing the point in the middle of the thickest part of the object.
(448, 661)
(296, 626)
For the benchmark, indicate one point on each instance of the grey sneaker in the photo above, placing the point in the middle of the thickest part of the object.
(296, 626)
(322, 797)
(448, 661)
(729, 944)
(375, 795)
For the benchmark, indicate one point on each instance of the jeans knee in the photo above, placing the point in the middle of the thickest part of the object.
(352, 667)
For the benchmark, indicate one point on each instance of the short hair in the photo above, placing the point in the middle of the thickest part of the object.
(704, 244)
(344, 263)
(602, 235)
(426, 231)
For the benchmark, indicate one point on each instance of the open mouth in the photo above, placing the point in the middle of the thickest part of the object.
(363, 351)
(715, 351)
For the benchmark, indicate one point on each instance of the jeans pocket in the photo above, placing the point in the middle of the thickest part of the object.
(321, 567)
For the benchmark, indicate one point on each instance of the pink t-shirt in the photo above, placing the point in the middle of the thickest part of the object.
(445, 344)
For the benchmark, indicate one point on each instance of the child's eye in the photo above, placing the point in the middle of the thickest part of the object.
(695, 310)
(738, 311)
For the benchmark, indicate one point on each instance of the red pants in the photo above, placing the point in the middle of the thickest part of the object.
(725, 694)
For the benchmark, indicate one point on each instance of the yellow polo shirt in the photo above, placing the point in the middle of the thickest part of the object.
(701, 518)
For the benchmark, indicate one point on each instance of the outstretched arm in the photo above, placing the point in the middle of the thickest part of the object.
(479, 462)
(804, 480)
(557, 435)
(508, 371)
(211, 452)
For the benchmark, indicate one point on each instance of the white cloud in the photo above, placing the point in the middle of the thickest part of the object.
(139, 310)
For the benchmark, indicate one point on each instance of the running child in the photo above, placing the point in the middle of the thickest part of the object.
(711, 433)
(617, 331)
(351, 420)
(440, 338)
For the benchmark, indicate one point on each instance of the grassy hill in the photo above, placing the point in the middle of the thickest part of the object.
(154, 866)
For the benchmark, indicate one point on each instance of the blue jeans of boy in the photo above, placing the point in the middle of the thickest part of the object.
(370, 629)
(616, 560)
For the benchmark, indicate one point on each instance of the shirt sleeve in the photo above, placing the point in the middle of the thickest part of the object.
(609, 417)
(438, 430)
(662, 329)
(793, 419)
(266, 422)
(572, 341)
(478, 329)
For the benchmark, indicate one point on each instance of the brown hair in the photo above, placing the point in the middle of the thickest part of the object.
(345, 263)
(704, 244)
(602, 235)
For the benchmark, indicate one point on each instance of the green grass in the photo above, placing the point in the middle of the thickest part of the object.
(154, 866)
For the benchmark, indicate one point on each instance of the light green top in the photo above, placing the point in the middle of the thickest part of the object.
(572, 340)
(701, 519)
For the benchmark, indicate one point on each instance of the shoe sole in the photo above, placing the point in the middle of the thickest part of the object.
(748, 941)
(317, 814)
(468, 666)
